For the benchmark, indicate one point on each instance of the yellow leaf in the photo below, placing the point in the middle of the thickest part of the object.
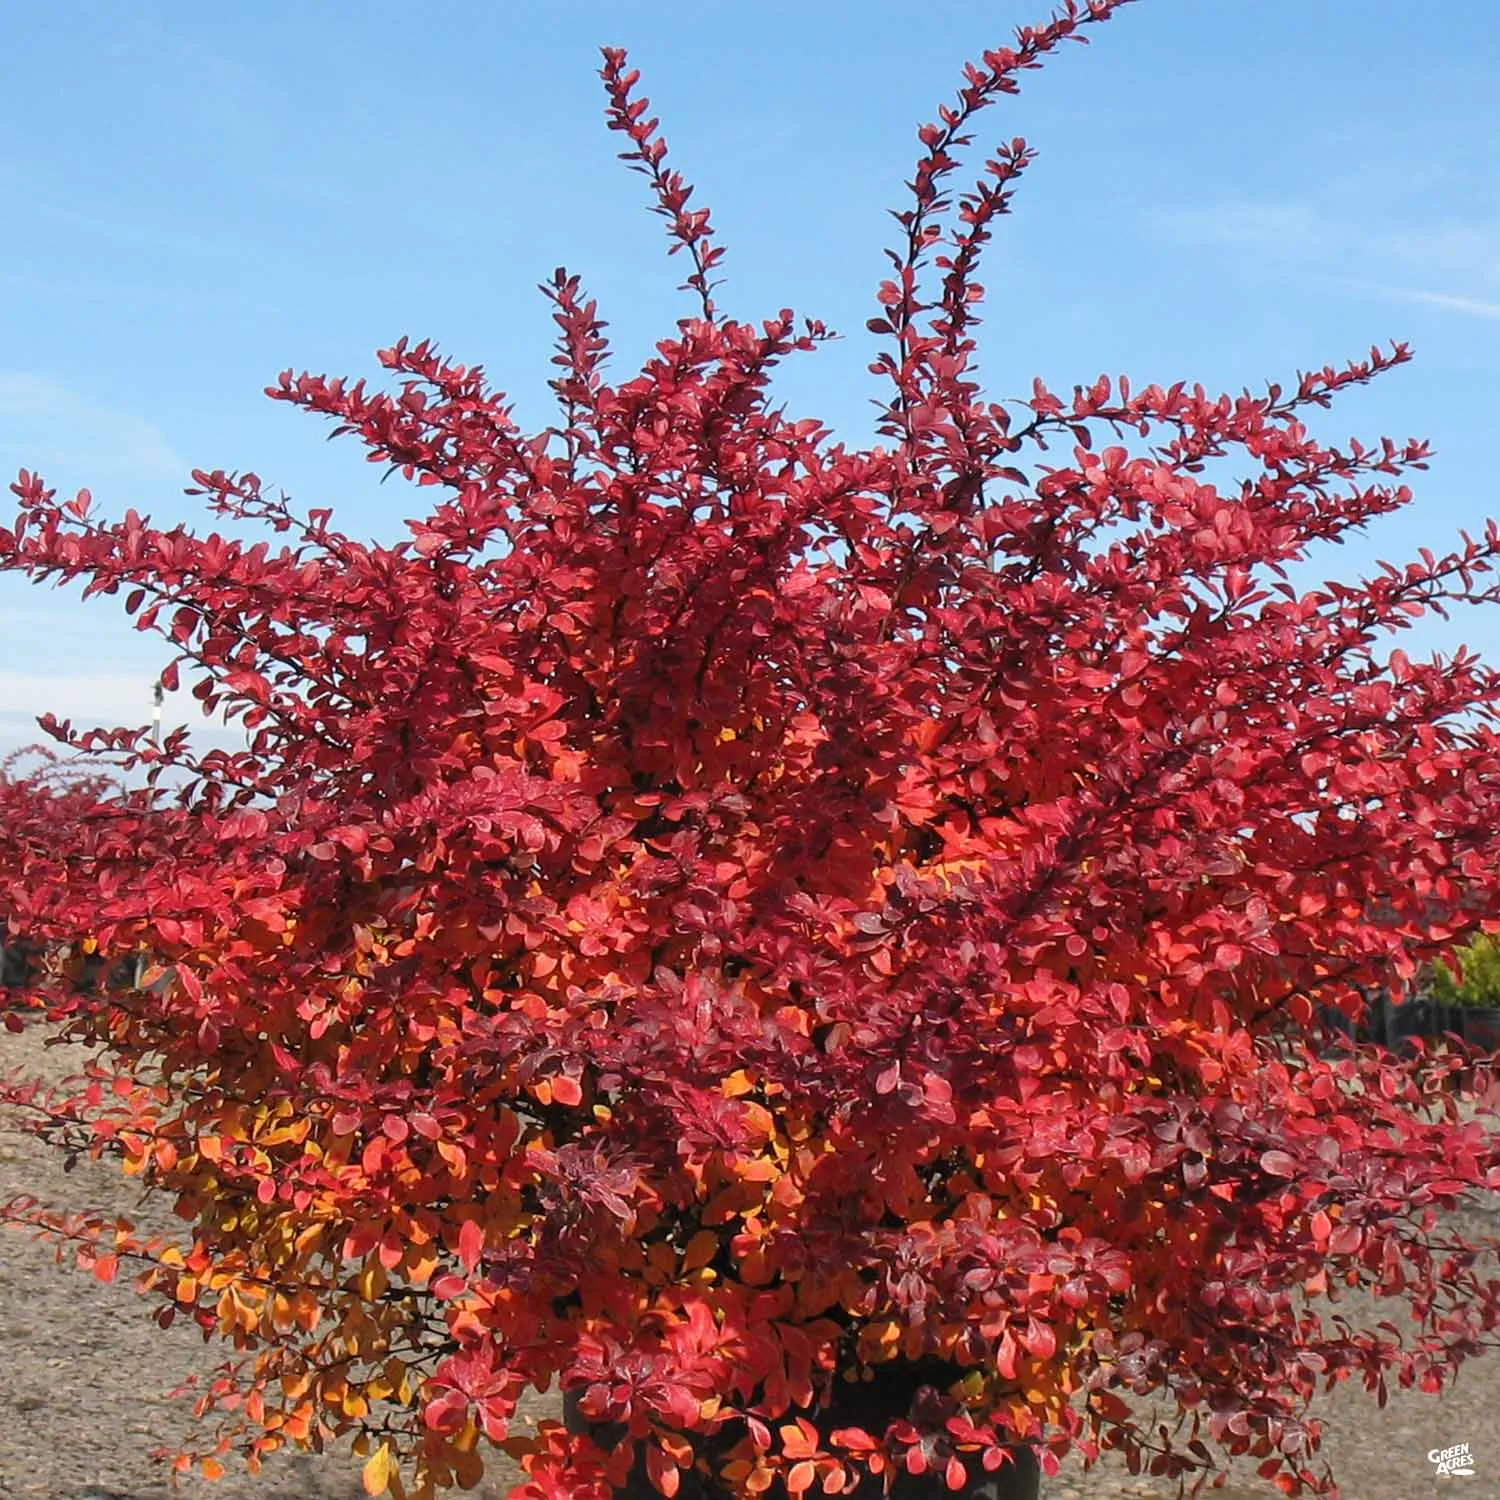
(392, 1377)
(310, 1237)
(378, 1470)
(372, 1281)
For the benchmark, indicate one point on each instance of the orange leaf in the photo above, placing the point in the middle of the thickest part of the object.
(800, 1477)
(700, 1250)
(799, 1439)
(664, 1474)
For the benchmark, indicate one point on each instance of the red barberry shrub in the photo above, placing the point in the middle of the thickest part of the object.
(45, 801)
(717, 911)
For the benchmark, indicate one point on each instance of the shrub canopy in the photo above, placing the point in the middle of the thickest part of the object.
(717, 910)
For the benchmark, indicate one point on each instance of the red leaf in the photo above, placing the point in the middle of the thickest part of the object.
(470, 1244)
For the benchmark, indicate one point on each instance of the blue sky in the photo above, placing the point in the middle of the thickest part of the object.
(197, 197)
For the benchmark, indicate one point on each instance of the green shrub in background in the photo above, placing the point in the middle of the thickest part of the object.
(1478, 982)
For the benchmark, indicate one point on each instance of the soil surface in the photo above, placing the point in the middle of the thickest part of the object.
(85, 1376)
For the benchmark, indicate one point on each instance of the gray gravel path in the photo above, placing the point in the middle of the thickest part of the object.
(84, 1376)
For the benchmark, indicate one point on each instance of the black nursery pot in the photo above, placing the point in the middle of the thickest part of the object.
(868, 1404)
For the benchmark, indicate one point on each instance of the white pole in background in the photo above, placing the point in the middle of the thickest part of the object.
(141, 962)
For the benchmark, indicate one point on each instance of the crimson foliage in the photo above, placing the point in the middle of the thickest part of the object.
(718, 911)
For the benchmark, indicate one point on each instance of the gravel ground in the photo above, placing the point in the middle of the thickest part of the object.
(84, 1377)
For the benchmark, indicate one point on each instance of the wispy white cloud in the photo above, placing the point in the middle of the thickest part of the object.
(1471, 306)
(47, 426)
(1398, 261)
